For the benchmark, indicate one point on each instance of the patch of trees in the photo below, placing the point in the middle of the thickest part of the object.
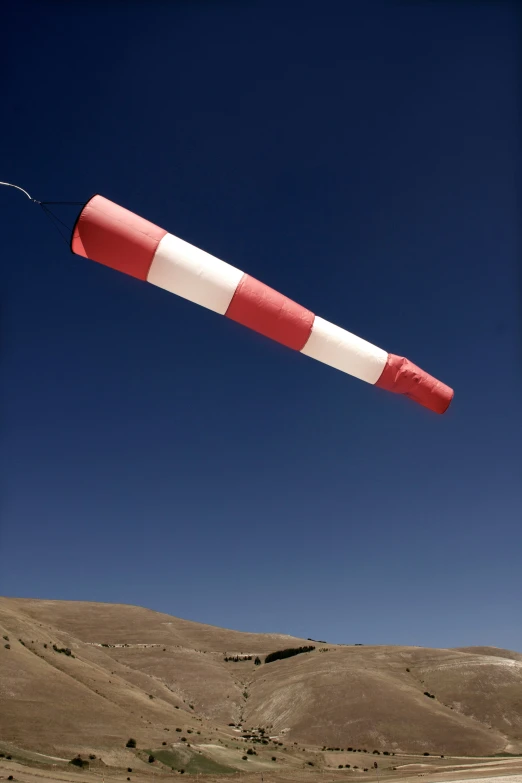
(288, 653)
(64, 650)
(237, 658)
(429, 695)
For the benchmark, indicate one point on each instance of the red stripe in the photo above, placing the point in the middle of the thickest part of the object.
(115, 237)
(270, 313)
(403, 377)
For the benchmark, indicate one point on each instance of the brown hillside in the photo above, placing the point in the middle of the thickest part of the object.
(159, 673)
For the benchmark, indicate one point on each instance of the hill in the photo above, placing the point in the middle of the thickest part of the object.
(83, 678)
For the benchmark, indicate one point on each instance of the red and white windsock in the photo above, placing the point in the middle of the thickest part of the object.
(115, 237)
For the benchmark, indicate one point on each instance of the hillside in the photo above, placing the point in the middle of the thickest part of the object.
(85, 677)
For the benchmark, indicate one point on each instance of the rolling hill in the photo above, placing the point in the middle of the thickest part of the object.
(85, 677)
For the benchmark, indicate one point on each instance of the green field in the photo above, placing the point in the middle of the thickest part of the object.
(195, 763)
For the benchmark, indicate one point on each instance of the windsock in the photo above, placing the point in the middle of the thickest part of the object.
(113, 236)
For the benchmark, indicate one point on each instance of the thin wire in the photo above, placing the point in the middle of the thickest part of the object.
(35, 201)
(77, 203)
(42, 204)
(52, 218)
(10, 185)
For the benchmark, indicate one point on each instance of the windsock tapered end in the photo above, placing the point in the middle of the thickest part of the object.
(403, 377)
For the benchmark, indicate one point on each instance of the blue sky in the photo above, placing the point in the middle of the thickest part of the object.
(364, 159)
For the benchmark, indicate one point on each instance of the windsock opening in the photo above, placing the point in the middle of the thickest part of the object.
(115, 237)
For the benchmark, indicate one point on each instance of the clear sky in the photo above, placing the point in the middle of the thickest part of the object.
(364, 159)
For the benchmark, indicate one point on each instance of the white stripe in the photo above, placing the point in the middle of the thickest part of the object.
(344, 351)
(187, 271)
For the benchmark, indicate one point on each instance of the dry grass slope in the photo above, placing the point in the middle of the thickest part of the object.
(132, 672)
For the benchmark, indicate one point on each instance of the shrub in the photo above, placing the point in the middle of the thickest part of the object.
(6, 638)
(131, 743)
(245, 758)
(129, 769)
(340, 766)
(79, 762)
(92, 756)
(64, 650)
(183, 739)
(10, 777)
(179, 729)
(7, 646)
(274, 758)
(310, 763)
(151, 759)
(163, 743)
(426, 753)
